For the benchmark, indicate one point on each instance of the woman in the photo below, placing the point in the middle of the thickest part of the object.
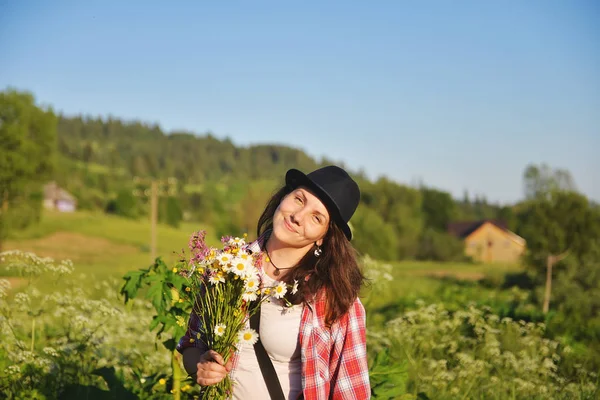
(317, 347)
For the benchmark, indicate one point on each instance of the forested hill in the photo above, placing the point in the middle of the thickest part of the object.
(145, 150)
(227, 185)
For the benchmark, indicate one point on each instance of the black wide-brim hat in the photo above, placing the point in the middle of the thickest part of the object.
(334, 187)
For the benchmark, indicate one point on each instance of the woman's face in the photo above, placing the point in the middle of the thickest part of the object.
(301, 219)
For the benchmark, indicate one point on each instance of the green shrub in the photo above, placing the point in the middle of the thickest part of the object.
(439, 246)
(474, 354)
(125, 205)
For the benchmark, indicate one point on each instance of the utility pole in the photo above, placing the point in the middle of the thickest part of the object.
(550, 261)
(158, 188)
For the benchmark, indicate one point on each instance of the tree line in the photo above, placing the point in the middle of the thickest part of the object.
(224, 185)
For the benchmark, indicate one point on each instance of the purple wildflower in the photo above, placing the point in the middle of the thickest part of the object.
(198, 247)
(226, 239)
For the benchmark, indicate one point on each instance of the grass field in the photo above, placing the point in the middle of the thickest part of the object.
(106, 245)
(100, 243)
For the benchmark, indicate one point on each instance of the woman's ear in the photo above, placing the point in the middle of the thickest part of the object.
(319, 242)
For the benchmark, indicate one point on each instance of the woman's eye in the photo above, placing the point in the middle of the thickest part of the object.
(317, 219)
(298, 199)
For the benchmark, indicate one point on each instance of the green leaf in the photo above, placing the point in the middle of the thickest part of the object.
(158, 293)
(115, 383)
(170, 344)
(133, 282)
(154, 323)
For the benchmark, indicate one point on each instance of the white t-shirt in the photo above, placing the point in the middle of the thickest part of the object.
(279, 334)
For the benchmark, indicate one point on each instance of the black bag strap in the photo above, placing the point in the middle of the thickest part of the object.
(265, 363)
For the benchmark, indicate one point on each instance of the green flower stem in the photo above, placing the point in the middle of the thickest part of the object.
(175, 363)
(32, 334)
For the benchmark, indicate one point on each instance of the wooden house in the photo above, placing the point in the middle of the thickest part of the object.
(56, 198)
(489, 240)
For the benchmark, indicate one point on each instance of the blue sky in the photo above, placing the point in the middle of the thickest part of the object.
(461, 95)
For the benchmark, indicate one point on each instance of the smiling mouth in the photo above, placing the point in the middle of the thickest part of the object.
(288, 225)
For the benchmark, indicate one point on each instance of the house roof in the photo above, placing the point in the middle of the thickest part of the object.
(53, 192)
(462, 229)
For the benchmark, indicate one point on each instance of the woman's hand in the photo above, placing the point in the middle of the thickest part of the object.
(212, 368)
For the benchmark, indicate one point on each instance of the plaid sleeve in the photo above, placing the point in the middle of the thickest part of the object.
(192, 336)
(351, 377)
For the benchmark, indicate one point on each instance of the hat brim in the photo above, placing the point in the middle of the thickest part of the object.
(295, 178)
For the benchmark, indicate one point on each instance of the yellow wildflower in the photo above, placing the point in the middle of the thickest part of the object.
(188, 289)
(162, 381)
(174, 270)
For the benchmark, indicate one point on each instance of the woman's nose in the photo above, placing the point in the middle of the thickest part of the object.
(297, 217)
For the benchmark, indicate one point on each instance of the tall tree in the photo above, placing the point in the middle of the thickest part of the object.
(438, 209)
(372, 235)
(556, 225)
(539, 181)
(27, 148)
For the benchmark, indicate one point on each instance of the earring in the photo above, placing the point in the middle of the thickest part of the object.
(318, 251)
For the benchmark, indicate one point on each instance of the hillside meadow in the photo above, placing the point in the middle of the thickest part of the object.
(435, 330)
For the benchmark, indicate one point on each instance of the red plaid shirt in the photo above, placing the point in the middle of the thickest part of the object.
(334, 361)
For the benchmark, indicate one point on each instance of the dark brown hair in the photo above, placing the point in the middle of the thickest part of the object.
(336, 271)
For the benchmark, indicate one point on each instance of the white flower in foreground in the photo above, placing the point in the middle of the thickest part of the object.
(248, 336)
(220, 330)
(251, 271)
(224, 258)
(238, 242)
(13, 369)
(239, 266)
(50, 351)
(251, 285)
(216, 278)
(295, 287)
(280, 290)
(249, 296)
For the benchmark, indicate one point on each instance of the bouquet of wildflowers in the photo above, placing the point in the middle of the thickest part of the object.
(225, 289)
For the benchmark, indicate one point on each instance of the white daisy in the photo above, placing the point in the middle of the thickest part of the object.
(248, 336)
(236, 241)
(239, 266)
(251, 271)
(220, 330)
(251, 285)
(249, 296)
(217, 278)
(280, 290)
(224, 258)
(295, 287)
